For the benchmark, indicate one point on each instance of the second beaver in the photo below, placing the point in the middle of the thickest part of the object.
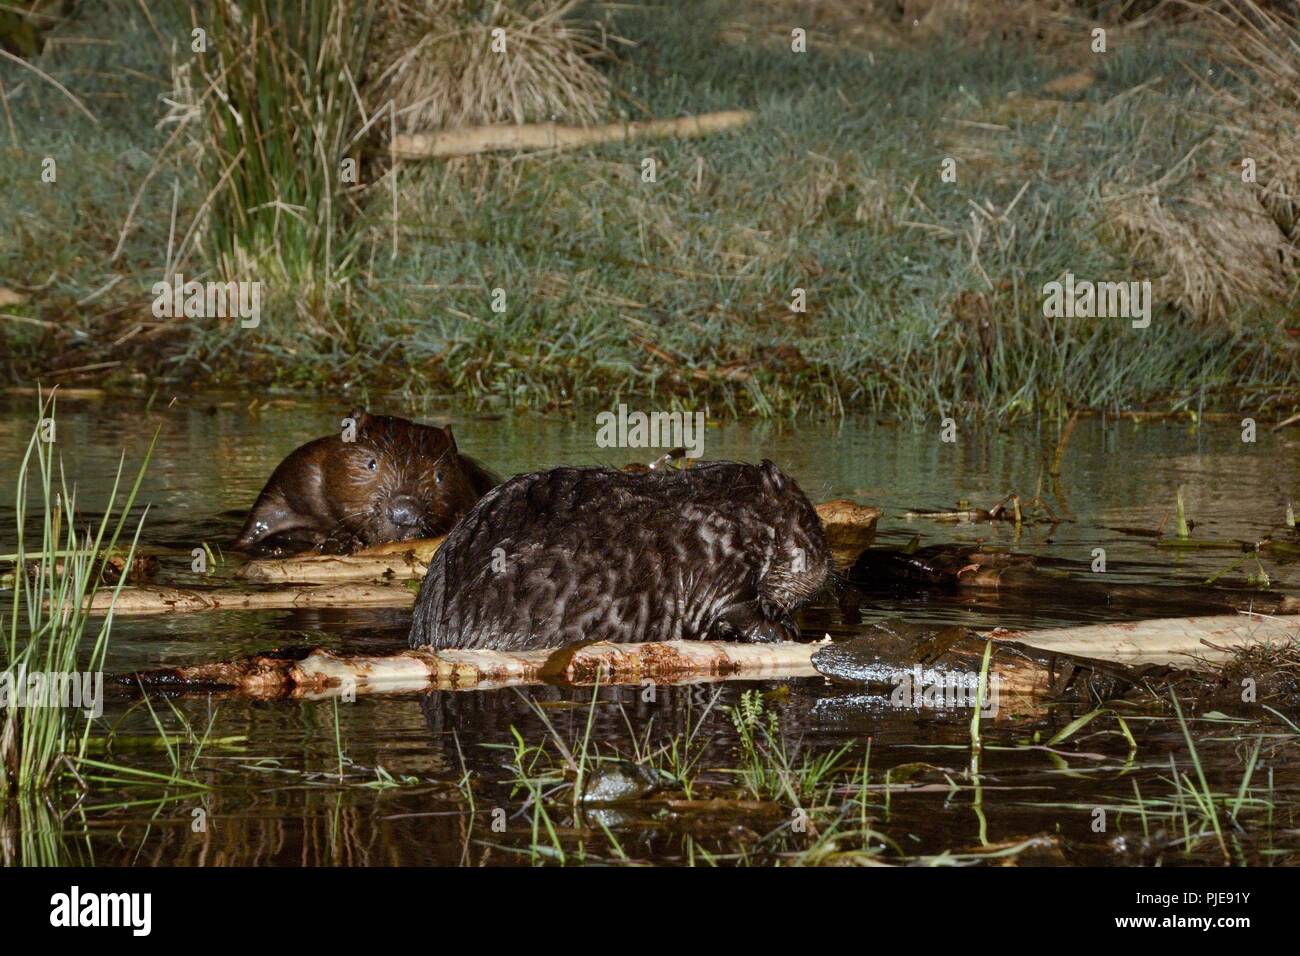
(395, 480)
(722, 550)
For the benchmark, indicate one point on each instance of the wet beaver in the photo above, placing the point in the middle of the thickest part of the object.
(721, 550)
(396, 480)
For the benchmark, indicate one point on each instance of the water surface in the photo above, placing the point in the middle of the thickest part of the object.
(273, 768)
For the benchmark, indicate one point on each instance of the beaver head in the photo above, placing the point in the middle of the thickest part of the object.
(397, 480)
(382, 479)
(800, 559)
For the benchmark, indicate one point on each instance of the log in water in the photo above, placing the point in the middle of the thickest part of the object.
(314, 672)
(1188, 643)
(1193, 643)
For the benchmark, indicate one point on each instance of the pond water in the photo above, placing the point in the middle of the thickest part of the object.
(423, 775)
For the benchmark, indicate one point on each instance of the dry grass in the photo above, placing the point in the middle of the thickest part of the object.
(1263, 49)
(440, 70)
(871, 24)
(1219, 242)
(1273, 668)
(1053, 21)
(1215, 246)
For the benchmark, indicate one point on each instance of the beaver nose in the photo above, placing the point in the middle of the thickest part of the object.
(404, 512)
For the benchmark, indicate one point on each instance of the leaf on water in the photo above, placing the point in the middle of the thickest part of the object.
(1074, 726)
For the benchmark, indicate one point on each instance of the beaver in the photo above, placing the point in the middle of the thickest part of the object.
(397, 480)
(721, 550)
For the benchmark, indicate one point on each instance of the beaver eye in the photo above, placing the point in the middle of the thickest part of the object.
(437, 476)
(373, 465)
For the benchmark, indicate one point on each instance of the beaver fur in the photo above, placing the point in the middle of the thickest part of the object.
(721, 550)
(396, 481)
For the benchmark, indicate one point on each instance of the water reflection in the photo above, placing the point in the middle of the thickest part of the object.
(276, 797)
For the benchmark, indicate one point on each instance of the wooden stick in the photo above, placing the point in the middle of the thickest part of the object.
(1285, 422)
(397, 561)
(1188, 642)
(162, 599)
(1191, 643)
(316, 673)
(538, 136)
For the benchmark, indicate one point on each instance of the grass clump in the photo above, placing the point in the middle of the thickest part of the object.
(48, 620)
(279, 120)
(446, 66)
(1219, 226)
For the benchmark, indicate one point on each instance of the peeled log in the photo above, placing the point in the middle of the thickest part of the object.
(315, 673)
(1188, 642)
(395, 561)
(538, 136)
(160, 599)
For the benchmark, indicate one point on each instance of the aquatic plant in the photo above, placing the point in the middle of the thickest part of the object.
(49, 618)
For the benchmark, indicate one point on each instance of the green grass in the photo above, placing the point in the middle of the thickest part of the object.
(279, 118)
(676, 292)
(46, 622)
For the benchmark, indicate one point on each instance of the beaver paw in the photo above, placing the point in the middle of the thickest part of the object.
(770, 632)
(752, 622)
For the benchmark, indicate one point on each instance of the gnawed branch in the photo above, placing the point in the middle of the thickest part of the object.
(316, 673)
(1193, 643)
(551, 136)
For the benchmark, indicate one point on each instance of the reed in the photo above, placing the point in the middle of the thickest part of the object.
(47, 627)
(279, 117)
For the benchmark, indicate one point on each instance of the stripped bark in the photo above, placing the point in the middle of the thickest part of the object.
(552, 136)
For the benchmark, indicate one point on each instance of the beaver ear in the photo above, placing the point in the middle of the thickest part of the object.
(361, 418)
(774, 478)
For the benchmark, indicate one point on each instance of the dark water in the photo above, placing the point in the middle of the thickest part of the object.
(272, 769)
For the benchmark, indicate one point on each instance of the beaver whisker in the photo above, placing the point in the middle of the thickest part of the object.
(348, 525)
(836, 580)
